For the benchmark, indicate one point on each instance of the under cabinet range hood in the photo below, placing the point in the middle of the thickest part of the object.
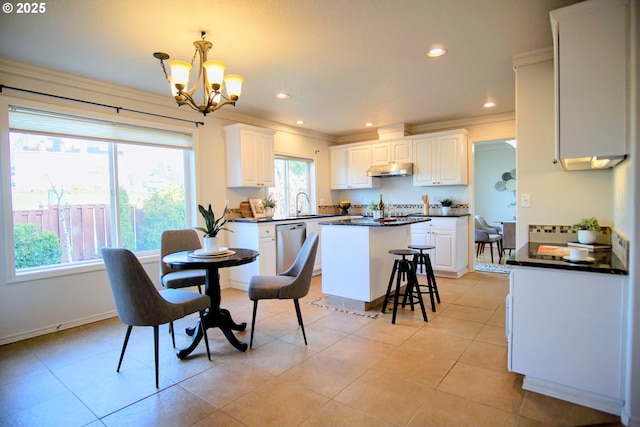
(390, 169)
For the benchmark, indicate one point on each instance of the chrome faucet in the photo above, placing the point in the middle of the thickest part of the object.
(298, 208)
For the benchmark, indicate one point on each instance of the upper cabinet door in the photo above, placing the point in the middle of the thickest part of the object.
(424, 154)
(440, 159)
(339, 158)
(250, 156)
(452, 160)
(591, 67)
(359, 163)
(349, 165)
(383, 153)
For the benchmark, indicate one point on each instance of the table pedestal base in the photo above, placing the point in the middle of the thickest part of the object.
(215, 319)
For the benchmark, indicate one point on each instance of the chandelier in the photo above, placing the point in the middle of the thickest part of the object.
(212, 75)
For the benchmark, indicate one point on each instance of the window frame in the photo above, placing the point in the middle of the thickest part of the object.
(7, 242)
(311, 179)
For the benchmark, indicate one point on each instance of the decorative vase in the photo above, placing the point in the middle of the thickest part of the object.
(268, 212)
(587, 236)
(446, 210)
(376, 214)
(211, 244)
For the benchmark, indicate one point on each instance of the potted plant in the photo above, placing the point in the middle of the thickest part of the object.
(269, 205)
(212, 227)
(587, 230)
(446, 204)
(375, 210)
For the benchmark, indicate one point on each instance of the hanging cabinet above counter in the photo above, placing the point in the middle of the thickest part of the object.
(439, 158)
(250, 156)
(591, 79)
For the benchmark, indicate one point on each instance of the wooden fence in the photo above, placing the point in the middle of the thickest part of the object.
(87, 228)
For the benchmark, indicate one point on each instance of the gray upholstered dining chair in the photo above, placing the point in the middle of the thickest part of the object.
(483, 225)
(292, 284)
(482, 238)
(173, 241)
(139, 303)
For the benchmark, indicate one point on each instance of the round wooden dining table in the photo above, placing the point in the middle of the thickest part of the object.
(214, 317)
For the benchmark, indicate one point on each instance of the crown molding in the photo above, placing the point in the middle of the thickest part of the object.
(533, 57)
(59, 81)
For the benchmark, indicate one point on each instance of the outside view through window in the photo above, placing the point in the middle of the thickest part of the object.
(61, 188)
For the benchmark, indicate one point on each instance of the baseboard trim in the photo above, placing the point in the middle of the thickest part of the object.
(55, 328)
(579, 397)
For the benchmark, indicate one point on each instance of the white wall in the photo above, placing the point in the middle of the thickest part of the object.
(34, 307)
(491, 161)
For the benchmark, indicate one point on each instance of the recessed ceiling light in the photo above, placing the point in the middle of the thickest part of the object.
(300, 122)
(368, 124)
(436, 51)
(489, 104)
(282, 95)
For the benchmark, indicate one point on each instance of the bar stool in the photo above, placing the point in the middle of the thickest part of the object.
(422, 260)
(403, 269)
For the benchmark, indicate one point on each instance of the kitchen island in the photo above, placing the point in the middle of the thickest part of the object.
(356, 263)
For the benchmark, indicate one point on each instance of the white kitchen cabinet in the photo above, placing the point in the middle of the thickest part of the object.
(313, 226)
(259, 237)
(440, 159)
(449, 236)
(591, 72)
(565, 334)
(349, 166)
(385, 152)
(250, 156)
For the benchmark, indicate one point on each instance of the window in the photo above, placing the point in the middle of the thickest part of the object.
(80, 184)
(292, 177)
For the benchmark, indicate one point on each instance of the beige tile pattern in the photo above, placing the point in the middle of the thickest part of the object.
(356, 371)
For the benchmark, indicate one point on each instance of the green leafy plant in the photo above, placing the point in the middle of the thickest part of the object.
(374, 206)
(590, 224)
(269, 202)
(213, 225)
(446, 202)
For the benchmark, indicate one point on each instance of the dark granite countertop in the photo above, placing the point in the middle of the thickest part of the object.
(369, 222)
(605, 261)
(284, 218)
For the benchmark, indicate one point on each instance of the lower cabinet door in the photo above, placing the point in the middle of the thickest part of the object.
(267, 258)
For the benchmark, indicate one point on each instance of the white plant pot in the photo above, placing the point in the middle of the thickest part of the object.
(268, 212)
(587, 236)
(446, 210)
(211, 244)
(376, 214)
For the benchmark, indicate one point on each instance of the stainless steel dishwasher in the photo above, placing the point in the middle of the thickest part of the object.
(289, 240)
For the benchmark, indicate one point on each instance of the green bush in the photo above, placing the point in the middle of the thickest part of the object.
(35, 249)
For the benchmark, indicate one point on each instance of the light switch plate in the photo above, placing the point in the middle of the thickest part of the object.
(525, 200)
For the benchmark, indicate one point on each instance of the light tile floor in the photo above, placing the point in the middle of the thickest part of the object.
(356, 371)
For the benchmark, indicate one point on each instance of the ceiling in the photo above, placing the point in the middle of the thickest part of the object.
(342, 62)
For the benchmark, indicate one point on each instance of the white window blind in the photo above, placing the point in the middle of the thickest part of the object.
(58, 124)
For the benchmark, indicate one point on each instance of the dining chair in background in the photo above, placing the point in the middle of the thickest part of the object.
(173, 241)
(139, 303)
(292, 284)
(482, 238)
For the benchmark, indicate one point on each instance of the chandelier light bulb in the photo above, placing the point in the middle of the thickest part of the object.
(233, 82)
(215, 73)
(180, 73)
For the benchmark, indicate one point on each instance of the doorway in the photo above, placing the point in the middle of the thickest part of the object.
(494, 189)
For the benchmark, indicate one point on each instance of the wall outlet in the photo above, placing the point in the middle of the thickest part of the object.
(525, 200)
